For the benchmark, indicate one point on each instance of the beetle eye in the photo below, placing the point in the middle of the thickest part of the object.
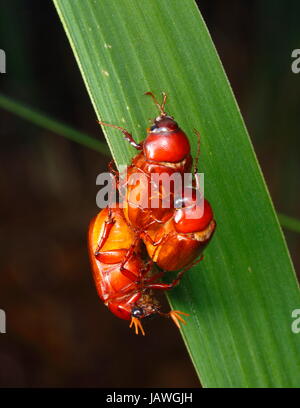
(179, 202)
(137, 312)
(153, 127)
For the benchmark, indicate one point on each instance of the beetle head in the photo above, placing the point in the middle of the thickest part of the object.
(165, 141)
(192, 213)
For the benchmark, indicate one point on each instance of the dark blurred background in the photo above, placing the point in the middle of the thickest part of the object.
(58, 332)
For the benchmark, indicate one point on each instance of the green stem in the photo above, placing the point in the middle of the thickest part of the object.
(289, 223)
(53, 125)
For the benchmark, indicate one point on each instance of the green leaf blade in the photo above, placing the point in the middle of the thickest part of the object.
(242, 295)
(53, 125)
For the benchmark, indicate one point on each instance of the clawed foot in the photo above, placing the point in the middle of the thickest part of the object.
(137, 324)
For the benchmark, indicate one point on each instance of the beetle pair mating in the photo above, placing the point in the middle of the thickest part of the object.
(174, 237)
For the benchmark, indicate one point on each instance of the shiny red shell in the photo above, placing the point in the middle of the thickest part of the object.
(117, 291)
(178, 242)
(165, 146)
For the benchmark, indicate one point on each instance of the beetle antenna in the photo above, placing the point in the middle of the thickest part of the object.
(137, 325)
(161, 107)
(164, 101)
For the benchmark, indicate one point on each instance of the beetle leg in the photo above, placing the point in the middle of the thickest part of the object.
(195, 167)
(144, 209)
(129, 254)
(146, 236)
(127, 136)
(114, 173)
(157, 243)
(191, 264)
(168, 286)
(160, 286)
(107, 228)
(125, 291)
(134, 298)
(161, 240)
(128, 274)
(112, 169)
(185, 269)
(145, 281)
(153, 278)
(178, 278)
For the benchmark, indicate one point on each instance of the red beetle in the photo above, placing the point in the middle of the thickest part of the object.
(165, 141)
(174, 237)
(166, 150)
(177, 243)
(123, 280)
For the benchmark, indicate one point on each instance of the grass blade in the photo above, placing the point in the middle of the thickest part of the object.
(43, 120)
(242, 296)
(289, 223)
